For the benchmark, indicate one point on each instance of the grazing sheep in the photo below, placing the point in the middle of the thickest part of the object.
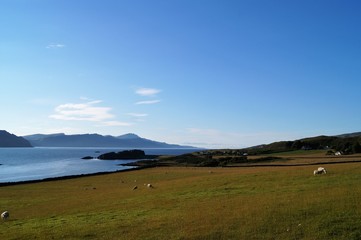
(135, 187)
(5, 215)
(320, 170)
(149, 185)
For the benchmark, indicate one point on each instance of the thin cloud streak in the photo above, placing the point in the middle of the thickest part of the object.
(137, 114)
(147, 102)
(147, 92)
(55, 45)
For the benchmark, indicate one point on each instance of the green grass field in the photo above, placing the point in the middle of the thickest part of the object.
(190, 203)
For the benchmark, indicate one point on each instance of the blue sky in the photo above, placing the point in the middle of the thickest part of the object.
(204, 73)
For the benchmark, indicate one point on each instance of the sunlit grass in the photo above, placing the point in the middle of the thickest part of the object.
(190, 203)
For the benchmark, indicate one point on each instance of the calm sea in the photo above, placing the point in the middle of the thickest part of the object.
(23, 164)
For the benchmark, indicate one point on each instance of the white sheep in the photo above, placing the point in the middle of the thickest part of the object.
(320, 170)
(149, 185)
(5, 215)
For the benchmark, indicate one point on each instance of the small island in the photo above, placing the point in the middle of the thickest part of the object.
(124, 155)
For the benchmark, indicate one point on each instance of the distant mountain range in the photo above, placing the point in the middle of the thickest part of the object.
(11, 140)
(129, 140)
(347, 143)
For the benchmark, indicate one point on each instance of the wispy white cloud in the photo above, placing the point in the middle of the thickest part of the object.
(139, 115)
(147, 92)
(55, 45)
(147, 102)
(82, 112)
(87, 112)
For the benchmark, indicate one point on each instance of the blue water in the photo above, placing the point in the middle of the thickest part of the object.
(24, 164)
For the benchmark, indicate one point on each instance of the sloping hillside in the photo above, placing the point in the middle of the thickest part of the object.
(11, 140)
(344, 144)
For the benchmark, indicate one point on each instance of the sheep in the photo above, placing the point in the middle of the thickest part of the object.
(320, 170)
(149, 185)
(5, 215)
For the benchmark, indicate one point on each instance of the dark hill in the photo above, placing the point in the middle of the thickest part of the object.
(356, 134)
(11, 140)
(96, 140)
(347, 144)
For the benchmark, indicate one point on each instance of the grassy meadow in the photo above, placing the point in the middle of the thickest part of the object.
(190, 203)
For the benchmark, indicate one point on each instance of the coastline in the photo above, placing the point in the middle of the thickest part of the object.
(53, 179)
(31, 165)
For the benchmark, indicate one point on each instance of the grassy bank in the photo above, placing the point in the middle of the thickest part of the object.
(190, 203)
